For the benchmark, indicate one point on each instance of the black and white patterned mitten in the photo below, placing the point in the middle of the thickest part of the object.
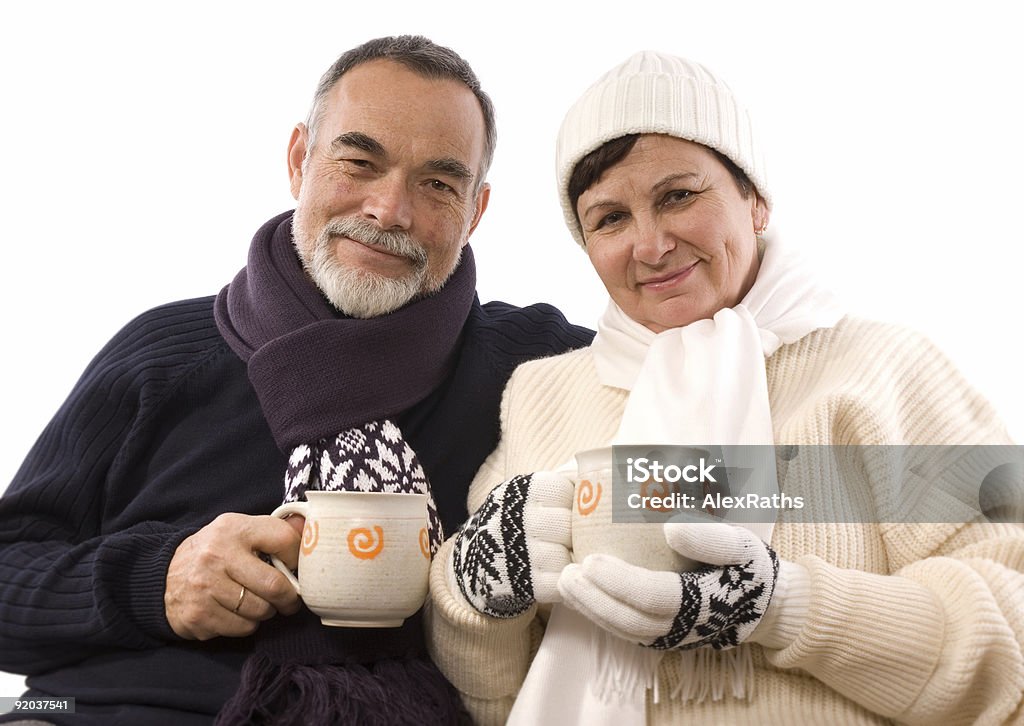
(720, 604)
(512, 550)
(372, 457)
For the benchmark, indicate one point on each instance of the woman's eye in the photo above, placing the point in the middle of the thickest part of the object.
(677, 195)
(612, 218)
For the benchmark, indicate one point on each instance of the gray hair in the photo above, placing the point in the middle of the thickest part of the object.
(418, 54)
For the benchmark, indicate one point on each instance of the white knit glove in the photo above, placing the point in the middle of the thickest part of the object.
(512, 550)
(719, 604)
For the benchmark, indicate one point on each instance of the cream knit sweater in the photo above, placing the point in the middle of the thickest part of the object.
(907, 623)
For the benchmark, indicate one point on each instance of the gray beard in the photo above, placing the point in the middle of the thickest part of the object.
(360, 293)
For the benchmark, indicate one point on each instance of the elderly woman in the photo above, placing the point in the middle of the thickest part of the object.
(714, 335)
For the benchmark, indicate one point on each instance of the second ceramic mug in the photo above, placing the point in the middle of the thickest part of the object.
(364, 557)
(595, 531)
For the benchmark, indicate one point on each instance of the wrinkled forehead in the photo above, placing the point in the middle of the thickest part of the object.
(649, 160)
(406, 112)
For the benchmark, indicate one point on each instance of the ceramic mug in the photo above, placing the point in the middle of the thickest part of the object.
(594, 530)
(364, 557)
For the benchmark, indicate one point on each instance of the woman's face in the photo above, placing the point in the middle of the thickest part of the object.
(669, 233)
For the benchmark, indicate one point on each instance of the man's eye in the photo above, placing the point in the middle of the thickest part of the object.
(440, 186)
(358, 163)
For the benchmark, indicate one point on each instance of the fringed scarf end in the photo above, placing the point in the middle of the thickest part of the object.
(705, 673)
(624, 671)
(383, 693)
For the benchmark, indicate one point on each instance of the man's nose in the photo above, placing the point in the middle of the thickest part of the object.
(388, 203)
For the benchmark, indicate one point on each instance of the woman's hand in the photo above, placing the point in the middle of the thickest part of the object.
(512, 550)
(719, 604)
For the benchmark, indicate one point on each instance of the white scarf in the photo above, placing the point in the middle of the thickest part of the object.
(677, 379)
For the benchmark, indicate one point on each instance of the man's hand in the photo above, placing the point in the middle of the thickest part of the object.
(204, 596)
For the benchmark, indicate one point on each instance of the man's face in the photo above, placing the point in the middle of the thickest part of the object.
(387, 193)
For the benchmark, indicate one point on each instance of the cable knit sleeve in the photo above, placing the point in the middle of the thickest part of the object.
(541, 429)
(936, 642)
(464, 643)
(931, 631)
(70, 586)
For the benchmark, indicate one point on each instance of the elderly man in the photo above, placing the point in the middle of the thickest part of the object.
(132, 540)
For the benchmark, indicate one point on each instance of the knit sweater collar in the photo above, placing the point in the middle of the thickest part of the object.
(316, 371)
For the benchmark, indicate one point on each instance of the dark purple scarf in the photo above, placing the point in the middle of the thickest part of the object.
(317, 373)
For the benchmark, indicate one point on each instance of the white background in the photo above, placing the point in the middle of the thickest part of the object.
(142, 148)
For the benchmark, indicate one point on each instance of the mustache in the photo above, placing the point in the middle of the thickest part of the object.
(395, 242)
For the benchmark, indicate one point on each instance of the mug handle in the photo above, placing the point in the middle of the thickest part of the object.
(281, 512)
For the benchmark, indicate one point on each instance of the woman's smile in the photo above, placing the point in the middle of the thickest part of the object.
(668, 281)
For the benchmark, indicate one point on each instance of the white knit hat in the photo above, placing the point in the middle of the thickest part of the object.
(656, 93)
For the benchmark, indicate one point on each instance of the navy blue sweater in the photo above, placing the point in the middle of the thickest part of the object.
(162, 433)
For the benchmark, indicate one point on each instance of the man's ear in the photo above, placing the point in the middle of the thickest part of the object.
(296, 157)
(481, 205)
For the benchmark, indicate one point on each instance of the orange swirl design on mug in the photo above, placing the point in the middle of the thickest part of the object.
(587, 497)
(365, 544)
(310, 537)
(425, 543)
(661, 489)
